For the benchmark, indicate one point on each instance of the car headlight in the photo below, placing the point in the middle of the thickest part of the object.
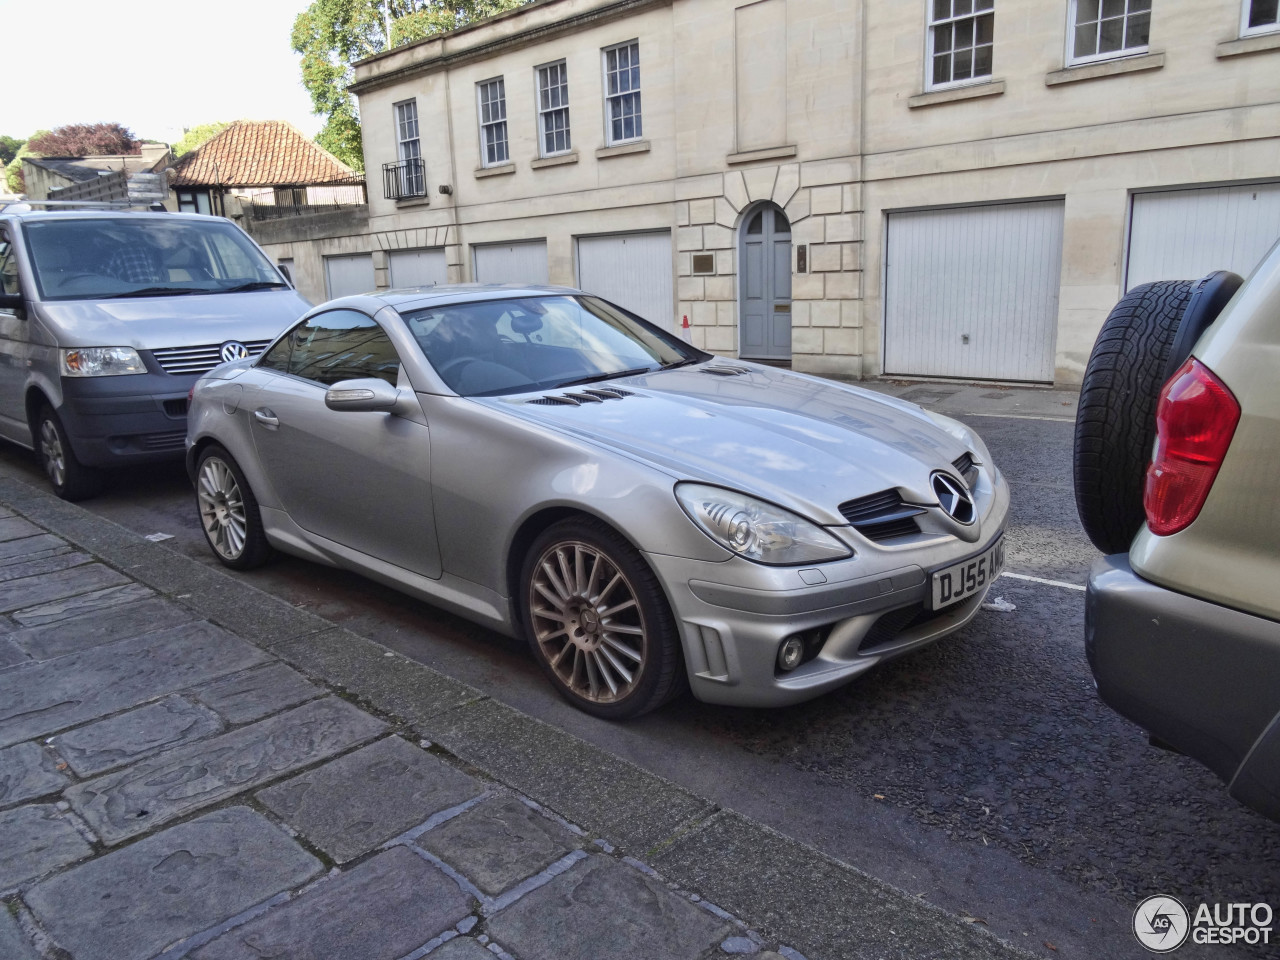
(757, 530)
(101, 362)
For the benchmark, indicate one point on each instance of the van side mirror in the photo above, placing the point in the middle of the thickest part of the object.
(366, 394)
(11, 301)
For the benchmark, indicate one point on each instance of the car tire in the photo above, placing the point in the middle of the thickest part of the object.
(229, 514)
(607, 640)
(1116, 418)
(70, 479)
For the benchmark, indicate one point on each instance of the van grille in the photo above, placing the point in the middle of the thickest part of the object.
(200, 359)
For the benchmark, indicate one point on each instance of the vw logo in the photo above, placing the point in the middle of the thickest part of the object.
(234, 350)
(953, 497)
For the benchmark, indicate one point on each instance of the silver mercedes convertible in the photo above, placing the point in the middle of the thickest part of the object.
(647, 515)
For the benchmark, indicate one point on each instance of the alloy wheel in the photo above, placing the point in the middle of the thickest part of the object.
(587, 621)
(53, 453)
(222, 509)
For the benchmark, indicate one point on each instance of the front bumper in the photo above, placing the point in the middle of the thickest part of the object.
(136, 419)
(1203, 678)
(733, 616)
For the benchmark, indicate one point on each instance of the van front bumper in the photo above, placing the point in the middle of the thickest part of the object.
(141, 420)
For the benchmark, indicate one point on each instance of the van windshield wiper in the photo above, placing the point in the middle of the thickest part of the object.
(253, 285)
(597, 377)
(156, 292)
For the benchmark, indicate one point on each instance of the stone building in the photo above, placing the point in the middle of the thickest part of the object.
(950, 188)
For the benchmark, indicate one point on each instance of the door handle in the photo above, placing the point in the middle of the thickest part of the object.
(266, 418)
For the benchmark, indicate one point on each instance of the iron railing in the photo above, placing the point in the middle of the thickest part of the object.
(408, 178)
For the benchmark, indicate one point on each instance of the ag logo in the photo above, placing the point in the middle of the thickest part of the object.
(1161, 924)
(234, 350)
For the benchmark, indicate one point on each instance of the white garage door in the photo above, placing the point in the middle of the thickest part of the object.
(417, 268)
(1184, 234)
(632, 270)
(972, 292)
(344, 276)
(524, 262)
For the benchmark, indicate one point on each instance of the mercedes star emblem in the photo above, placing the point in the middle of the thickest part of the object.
(953, 498)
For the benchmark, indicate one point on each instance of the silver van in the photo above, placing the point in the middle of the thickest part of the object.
(108, 317)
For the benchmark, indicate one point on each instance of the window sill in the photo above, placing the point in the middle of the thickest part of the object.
(1259, 43)
(772, 153)
(1105, 68)
(622, 149)
(989, 88)
(422, 201)
(555, 161)
(498, 170)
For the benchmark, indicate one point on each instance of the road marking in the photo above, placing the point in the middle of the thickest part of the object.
(1051, 583)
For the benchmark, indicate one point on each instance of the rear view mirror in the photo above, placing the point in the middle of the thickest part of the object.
(11, 301)
(366, 394)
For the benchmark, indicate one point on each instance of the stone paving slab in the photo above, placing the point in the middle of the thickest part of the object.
(59, 585)
(605, 910)
(13, 943)
(40, 698)
(381, 910)
(138, 798)
(16, 528)
(27, 771)
(131, 736)
(97, 627)
(578, 780)
(352, 804)
(37, 839)
(39, 566)
(499, 843)
(42, 544)
(81, 604)
(10, 653)
(255, 693)
(461, 948)
(132, 903)
(851, 915)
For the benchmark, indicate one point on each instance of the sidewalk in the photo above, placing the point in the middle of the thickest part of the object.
(190, 767)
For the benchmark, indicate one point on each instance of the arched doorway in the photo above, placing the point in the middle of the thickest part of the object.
(764, 284)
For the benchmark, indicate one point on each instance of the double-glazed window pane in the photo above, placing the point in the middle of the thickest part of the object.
(493, 121)
(409, 150)
(1105, 27)
(553, 108)
(1262, 14)
(962, 34)
(622, 92)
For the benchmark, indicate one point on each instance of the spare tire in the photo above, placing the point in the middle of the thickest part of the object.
(1116, 419)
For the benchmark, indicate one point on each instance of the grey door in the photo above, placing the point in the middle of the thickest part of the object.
(765, 258)
(360, 479)
(14, 352)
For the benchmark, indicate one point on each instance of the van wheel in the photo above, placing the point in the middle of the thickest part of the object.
(70, 479)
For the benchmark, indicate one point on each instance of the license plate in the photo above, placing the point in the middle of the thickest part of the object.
(962, 580)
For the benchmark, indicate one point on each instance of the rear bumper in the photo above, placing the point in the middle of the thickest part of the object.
(1201, 677)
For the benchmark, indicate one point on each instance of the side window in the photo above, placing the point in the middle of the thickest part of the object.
(339, 345)
(277, 358)
(8, 266)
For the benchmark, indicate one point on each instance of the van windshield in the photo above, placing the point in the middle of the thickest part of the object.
(107, 257)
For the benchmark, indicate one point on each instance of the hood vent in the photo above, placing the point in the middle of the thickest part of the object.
(967, 468)
(722, 370)
(594, 395)
(882, 516)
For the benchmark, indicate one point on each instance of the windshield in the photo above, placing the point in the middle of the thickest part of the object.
(495, 347)
(143, 256)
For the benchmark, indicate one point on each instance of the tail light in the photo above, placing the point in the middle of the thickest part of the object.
(1195, 421)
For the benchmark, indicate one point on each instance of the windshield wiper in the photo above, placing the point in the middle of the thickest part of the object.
(156, 292)
(253, 285)
(597, 377)
(681, 363)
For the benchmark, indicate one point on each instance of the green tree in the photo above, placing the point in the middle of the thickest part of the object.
(13, 171)
(9, 147)
(193, 137)
(331, 35)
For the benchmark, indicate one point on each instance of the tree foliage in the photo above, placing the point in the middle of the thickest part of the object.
(9, 147)
(331, 35)
(86, 140)
(13, 179)
(193, 137)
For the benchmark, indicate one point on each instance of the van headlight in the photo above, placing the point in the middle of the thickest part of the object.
(757, 530)
(100, 362)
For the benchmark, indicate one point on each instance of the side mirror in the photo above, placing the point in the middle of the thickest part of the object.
(368, 394)
(11, 301)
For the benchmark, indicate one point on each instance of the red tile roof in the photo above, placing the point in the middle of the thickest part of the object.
(252, 153)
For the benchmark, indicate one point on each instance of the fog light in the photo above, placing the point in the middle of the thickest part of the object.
(790, 654)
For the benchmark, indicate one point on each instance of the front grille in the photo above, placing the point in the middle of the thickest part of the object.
(966, 468)
(164, 441)
(200, 359)
(882, 516)
(176, 408)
